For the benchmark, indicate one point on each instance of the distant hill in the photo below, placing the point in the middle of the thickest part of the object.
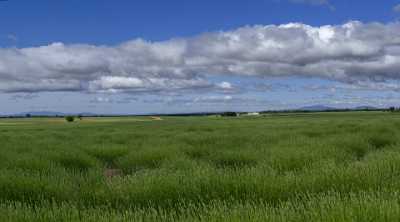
(51, 113)
(313, 108)
(40, 113)
(366, 108)
(317, 108)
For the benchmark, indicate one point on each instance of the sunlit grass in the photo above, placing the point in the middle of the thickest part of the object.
(308, 167)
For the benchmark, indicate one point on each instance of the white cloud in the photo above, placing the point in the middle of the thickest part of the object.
(225, 85)
(354, 53)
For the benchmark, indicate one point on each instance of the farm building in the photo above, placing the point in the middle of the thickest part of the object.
(253, 114)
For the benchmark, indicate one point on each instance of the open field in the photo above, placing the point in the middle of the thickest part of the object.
(295, 167)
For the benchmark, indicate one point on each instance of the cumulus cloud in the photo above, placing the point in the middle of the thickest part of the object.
(228, 88)
(225, 85)
(352, 53)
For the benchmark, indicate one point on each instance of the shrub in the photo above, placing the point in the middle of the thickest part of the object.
(230, 114)
(69, 118)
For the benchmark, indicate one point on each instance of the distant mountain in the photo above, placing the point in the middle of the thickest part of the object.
(51, 113)
(366, 108)
(317, 108)
(87, 114)
(39, 113)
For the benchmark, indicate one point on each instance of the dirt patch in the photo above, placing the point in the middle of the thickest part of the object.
(156, 118)
(110, 173)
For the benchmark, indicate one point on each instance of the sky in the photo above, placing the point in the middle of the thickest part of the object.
(178, 56)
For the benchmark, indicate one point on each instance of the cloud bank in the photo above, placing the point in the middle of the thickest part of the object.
(353, 53)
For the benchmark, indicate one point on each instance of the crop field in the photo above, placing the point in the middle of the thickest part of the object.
(278, 167)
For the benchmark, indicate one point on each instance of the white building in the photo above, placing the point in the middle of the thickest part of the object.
(253, 114)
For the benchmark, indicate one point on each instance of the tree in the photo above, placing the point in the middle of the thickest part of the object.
(229, 114)
(69, 118)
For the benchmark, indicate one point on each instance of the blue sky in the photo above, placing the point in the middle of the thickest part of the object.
(187, 56)
(42, 22)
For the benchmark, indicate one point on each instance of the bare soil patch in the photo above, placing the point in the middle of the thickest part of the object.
(110, 173)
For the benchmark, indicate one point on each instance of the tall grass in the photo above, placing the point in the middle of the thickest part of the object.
(314, 167)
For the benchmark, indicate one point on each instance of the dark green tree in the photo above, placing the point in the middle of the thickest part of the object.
(69, 118)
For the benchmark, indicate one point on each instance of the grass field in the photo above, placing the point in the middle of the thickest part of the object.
(293, 167)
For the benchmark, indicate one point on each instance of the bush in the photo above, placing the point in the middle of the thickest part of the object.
(69, 118)
(229, 114)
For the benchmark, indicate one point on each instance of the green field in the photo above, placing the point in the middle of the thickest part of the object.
(289, 167)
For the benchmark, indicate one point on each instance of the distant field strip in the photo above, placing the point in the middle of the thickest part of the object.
(120, 119)
(39, 120)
